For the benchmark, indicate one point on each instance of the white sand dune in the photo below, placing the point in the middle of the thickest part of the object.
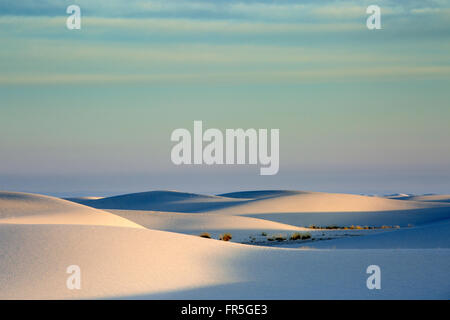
(215, 224)
(173, 201)
(260, 194)
(114, 261)
(24, 208)
(435, 235)
(292, 201)
(297, 208)
(396, 196)
(41, 236)
(323, 209)
(427, 198)
(139, 263)
(76, 199)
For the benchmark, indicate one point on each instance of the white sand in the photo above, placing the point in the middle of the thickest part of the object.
(253, 202)
(435, 235)
(23, 208)
(123, 262)
(40, 236)
(431, 198)
(324, 209)
(215, 224)
(323, 202)
(173, 201)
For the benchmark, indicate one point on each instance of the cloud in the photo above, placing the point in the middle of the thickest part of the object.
(268, 76)
(432, 11)
(39, 49)
(281, 11)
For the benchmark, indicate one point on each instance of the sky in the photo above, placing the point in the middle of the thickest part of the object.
(91, 111)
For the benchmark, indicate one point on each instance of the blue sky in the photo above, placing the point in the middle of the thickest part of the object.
(91, 110)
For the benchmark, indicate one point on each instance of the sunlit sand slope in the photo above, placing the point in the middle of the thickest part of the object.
(24, 208)
(196, 223)
(325, 209)
(140, 263)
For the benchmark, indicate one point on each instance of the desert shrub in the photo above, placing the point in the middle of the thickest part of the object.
(279, 237)
(306, 236)
(225, 237)
(205, 235)
(296, 236)
(300, 236)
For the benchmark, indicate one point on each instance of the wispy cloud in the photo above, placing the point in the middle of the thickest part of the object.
(266, 76)
(283, 10)
(194, 41)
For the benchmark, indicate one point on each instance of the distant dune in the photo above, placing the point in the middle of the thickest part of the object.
(325, 209)
(259, 194)
(159, 201)
(296, 208)
(427, 198)
(291, 201)
(270, 201)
